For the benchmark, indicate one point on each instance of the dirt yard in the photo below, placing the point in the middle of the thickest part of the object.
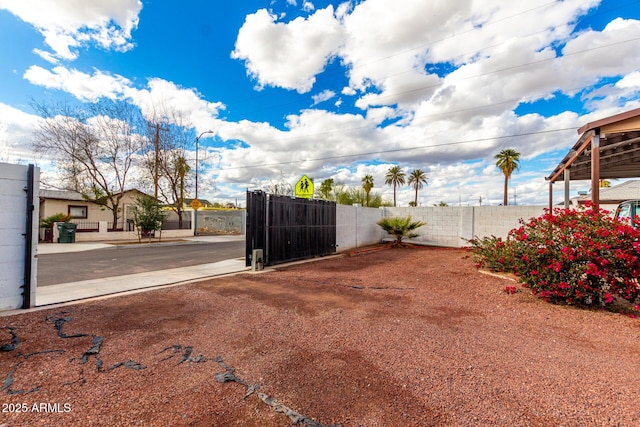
(402, 337)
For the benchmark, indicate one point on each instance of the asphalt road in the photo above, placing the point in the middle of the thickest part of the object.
(121, 260)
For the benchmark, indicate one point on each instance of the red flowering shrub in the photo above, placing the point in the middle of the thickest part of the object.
(569, 257)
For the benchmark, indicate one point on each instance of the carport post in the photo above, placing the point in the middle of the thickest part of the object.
(551, 197)
(567, 180)
(595, 169)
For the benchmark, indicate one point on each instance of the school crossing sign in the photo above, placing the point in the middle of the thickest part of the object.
(304, 187)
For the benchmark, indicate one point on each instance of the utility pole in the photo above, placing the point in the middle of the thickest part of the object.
(156, 141)
(196, 201)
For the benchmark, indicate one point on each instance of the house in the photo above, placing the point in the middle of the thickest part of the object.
(85, 213)
(611, 197)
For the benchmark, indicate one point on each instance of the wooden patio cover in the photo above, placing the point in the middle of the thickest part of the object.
(607, 149)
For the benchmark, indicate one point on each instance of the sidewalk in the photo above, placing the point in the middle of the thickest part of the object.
(58, 248)
(73, 291)
(85, 289)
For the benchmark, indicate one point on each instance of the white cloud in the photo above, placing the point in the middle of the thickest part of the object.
(68, 24)
(169, 97)
(288, 55)
(85, 87)
(323, 96)
(159, 93)
(451, 75)
(16, 129)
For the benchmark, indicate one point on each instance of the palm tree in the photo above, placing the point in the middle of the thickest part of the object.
(395, 176)
(416, 180)
(400, 227)
(507, 161)
(367, 185)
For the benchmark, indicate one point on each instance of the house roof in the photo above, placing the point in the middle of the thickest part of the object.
(73, 195)
(61, 195)
(619, 148)
(618, 193)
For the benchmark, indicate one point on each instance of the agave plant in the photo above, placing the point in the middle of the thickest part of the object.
(400, 227)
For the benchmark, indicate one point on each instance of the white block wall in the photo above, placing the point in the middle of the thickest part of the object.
(13, 203)
(449, 226)
(356, 226)
(443, 226)
(498, 220)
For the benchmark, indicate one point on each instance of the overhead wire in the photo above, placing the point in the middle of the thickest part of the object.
(396, 150)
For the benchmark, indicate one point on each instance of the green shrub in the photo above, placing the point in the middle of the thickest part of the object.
(583, 258)
(50, 220)
(400, 227)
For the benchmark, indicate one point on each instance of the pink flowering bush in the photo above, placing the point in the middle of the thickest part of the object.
(583, 258)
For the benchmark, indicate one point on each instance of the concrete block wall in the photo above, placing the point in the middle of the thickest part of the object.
(222, 221)
(449, 226)
(356, 226)
(13, 219)
(498, 220)
(443, 224)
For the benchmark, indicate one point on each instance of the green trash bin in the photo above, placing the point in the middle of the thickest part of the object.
(67, 232)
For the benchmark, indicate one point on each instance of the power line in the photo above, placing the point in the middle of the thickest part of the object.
(396, 150)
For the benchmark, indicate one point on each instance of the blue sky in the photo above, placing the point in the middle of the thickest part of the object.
(335, 89)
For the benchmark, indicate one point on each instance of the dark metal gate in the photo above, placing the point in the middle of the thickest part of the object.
(288, 229)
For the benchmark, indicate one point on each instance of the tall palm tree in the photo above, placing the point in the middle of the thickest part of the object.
(507, 160)
(367, 185)
(416, 180)
(395, 176)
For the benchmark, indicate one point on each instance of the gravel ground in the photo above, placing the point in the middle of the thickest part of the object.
(402, 337)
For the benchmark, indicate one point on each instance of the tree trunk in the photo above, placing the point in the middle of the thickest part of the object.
(114, 225)
(416, 200)
(506, 189)
(394, 195)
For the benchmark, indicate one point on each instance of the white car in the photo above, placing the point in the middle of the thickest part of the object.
(628, 209)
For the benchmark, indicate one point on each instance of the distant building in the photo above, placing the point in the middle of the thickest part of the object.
(204, 202)
(611, 197)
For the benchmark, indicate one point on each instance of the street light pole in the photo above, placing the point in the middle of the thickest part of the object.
(195, 220)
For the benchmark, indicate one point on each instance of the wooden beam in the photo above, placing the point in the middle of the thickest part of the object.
(595, 169)
(610, 120)
(567, 182)
(575, 155)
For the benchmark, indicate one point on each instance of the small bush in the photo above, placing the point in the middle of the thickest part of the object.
(400, 227)
(50, 220)
(572, 257)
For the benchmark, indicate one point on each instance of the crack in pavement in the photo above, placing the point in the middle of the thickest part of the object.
(9, 381)
(229, 376)
(94, 350)
(184, 354)
(14, 341)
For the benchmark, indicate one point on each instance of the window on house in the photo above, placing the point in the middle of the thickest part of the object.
(78, 211)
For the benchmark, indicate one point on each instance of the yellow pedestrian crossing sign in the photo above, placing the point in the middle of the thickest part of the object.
(304, 187)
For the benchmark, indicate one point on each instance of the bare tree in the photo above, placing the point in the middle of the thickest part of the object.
(94, 146)
(281, 188)
(166, 164)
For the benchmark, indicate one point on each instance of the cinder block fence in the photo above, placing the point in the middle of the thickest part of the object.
(447, 226)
